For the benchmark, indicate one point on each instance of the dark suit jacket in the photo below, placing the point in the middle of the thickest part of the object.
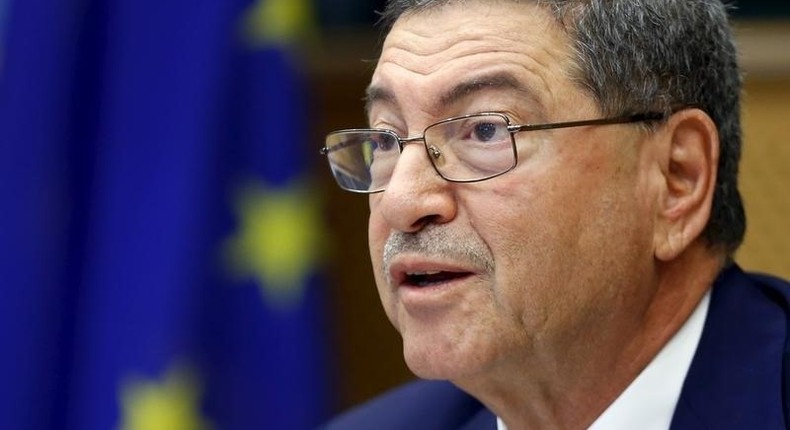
(738, 378)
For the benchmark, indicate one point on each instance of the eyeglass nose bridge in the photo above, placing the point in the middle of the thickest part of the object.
(433, 151)
(403, 141)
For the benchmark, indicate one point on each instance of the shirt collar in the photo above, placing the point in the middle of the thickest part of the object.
(648, 403)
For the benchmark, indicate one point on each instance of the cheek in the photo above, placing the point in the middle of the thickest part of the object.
(514, 223)
(530, 257)
(559, 239)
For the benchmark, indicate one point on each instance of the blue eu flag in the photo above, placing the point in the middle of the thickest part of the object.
(158, 236)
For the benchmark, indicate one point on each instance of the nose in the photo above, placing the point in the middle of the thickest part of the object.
(416, 195)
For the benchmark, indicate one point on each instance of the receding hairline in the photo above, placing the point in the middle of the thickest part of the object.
(386, 22)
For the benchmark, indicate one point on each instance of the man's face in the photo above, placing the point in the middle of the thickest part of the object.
(538, 264)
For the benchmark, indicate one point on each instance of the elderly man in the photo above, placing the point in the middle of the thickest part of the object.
(553, 214)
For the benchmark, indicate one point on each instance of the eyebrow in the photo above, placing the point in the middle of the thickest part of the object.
(378, 95)
(495, 81)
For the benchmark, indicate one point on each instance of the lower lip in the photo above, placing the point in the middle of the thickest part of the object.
(432, 295)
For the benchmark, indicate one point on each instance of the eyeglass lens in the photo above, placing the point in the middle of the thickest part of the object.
(462, 149)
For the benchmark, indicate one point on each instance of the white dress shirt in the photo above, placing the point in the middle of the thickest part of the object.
(649, 402)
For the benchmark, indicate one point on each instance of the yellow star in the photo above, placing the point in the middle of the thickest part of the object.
(278, 240)
(279, 21)
(171, 404)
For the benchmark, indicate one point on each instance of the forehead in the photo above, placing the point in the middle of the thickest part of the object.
(437, 57)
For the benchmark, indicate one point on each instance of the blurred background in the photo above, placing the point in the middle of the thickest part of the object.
(173, 252)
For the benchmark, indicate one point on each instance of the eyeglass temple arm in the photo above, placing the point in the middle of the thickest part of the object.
(649, 116)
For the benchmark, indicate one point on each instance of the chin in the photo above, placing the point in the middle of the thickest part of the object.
(429, 357)
(434, 367)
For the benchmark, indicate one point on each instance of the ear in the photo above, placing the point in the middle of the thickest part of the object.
(690, 157)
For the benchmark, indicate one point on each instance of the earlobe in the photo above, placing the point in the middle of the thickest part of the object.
(691, 160)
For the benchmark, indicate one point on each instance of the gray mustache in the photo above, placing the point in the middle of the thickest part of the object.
(439, 242)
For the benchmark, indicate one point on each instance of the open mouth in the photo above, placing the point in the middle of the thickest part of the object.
(428, 279)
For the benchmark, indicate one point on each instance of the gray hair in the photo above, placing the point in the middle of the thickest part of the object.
(636, 56)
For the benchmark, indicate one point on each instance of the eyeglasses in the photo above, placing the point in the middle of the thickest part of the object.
(468, 148)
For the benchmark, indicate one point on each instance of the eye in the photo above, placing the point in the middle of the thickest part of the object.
(381, 141)
(485, 131)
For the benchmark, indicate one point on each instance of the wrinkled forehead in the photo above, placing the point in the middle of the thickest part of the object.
(481, 18)
(437, 54)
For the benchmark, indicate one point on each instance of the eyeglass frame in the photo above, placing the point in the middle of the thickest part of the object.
(512, 129)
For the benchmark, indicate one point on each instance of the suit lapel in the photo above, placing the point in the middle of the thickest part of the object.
(734, 381)
(483, 420)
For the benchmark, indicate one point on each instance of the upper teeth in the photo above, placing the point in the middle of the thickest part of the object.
(429, 272)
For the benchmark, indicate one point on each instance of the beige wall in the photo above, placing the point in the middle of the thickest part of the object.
(765, 169)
